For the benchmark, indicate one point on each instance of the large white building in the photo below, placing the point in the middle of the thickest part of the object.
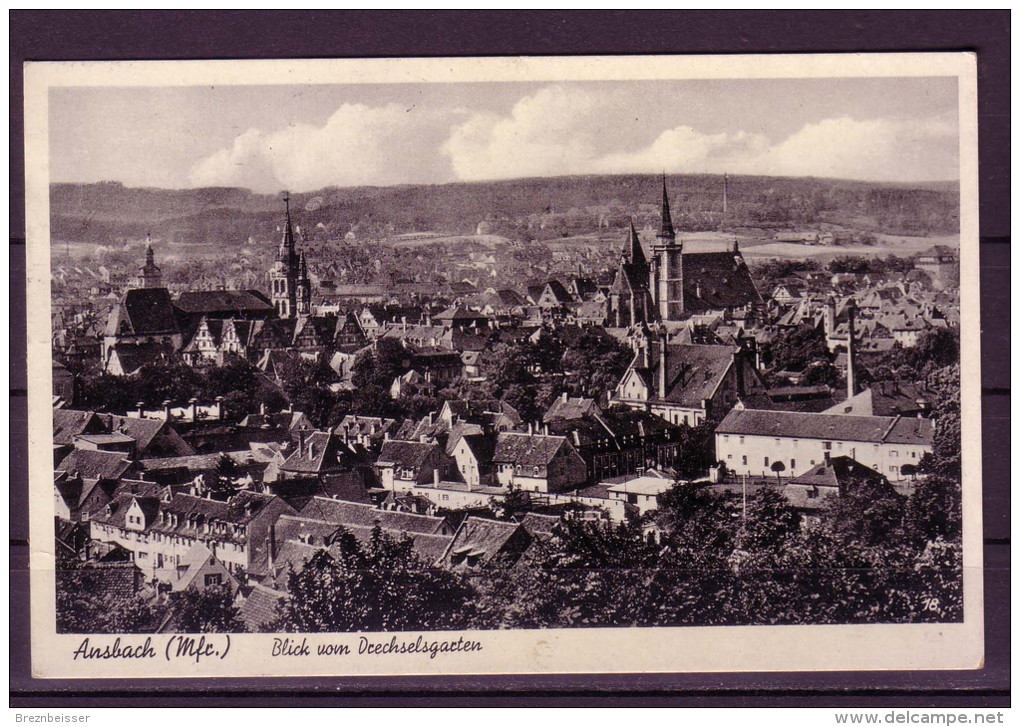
(750, 441)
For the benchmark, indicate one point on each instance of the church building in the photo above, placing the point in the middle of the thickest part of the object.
(149, 275)
(674, 285)
(290, 288)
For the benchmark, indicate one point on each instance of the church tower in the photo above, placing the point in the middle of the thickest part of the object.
(304, 288)
(149, 275)
(288, 278)
(667, 272)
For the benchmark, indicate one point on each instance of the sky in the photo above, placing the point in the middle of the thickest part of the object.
(303, 138)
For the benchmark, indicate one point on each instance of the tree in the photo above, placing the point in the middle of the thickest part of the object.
(938, 347)
(696, 447)
(515, 502)
(84, 606)
(221, 482)
(770, 522)
(698, 525)
(596, 362)
(868, 512)
(381, 586)
(778, 467)
(210, 610)
(796, 349)
(934, 510)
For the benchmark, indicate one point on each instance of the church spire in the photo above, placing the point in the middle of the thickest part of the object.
(667, 235)
(288, 250)
(632, 249)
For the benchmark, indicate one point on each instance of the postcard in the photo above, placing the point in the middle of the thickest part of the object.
(528, 365)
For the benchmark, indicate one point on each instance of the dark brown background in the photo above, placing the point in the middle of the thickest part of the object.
(114, 35)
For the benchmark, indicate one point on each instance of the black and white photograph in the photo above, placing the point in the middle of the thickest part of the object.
(479, 365)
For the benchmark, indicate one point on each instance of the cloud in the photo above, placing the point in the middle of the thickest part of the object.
(357, 145)
(557, 130)
(560, 130)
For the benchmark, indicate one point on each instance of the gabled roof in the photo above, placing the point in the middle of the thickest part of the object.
(459, 313)
(353, 513)
(630, 279)
(323, 452)
(69, 423)
(143, 311)
(803, 425)
(223, 302)
(527, 449)
(829, 479)
(482, 446)
(568, 407)
(406, 454)
(274, 333)
(319, 329)
(539, 525)
(717, 280)
(693, 372)
(143, 431)
(94, 464)
(303, 529)
(558, 292)
(194, 560)
(238, 510)
(836, 472)
(429, 548)
(115, 513)
(260, 608)
(509, 297)
(132, 356)
(482, 540)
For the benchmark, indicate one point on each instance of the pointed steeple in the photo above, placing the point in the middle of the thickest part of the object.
(150, 256)
(667, 234)
(287, 251)
(632, 249)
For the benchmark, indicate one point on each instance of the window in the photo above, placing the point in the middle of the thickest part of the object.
(812, 494)
(894, 454)
(766, 461)
(894, 469)
(729, 456)
(743, 460)
(793, 465)
(142, 555)
(213, 579)
(827, 446)
(913, 455)
(741, 440)
(777, 441)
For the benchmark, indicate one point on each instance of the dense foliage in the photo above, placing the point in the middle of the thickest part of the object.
(209, 610)
(379, 586)
(86, 604)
